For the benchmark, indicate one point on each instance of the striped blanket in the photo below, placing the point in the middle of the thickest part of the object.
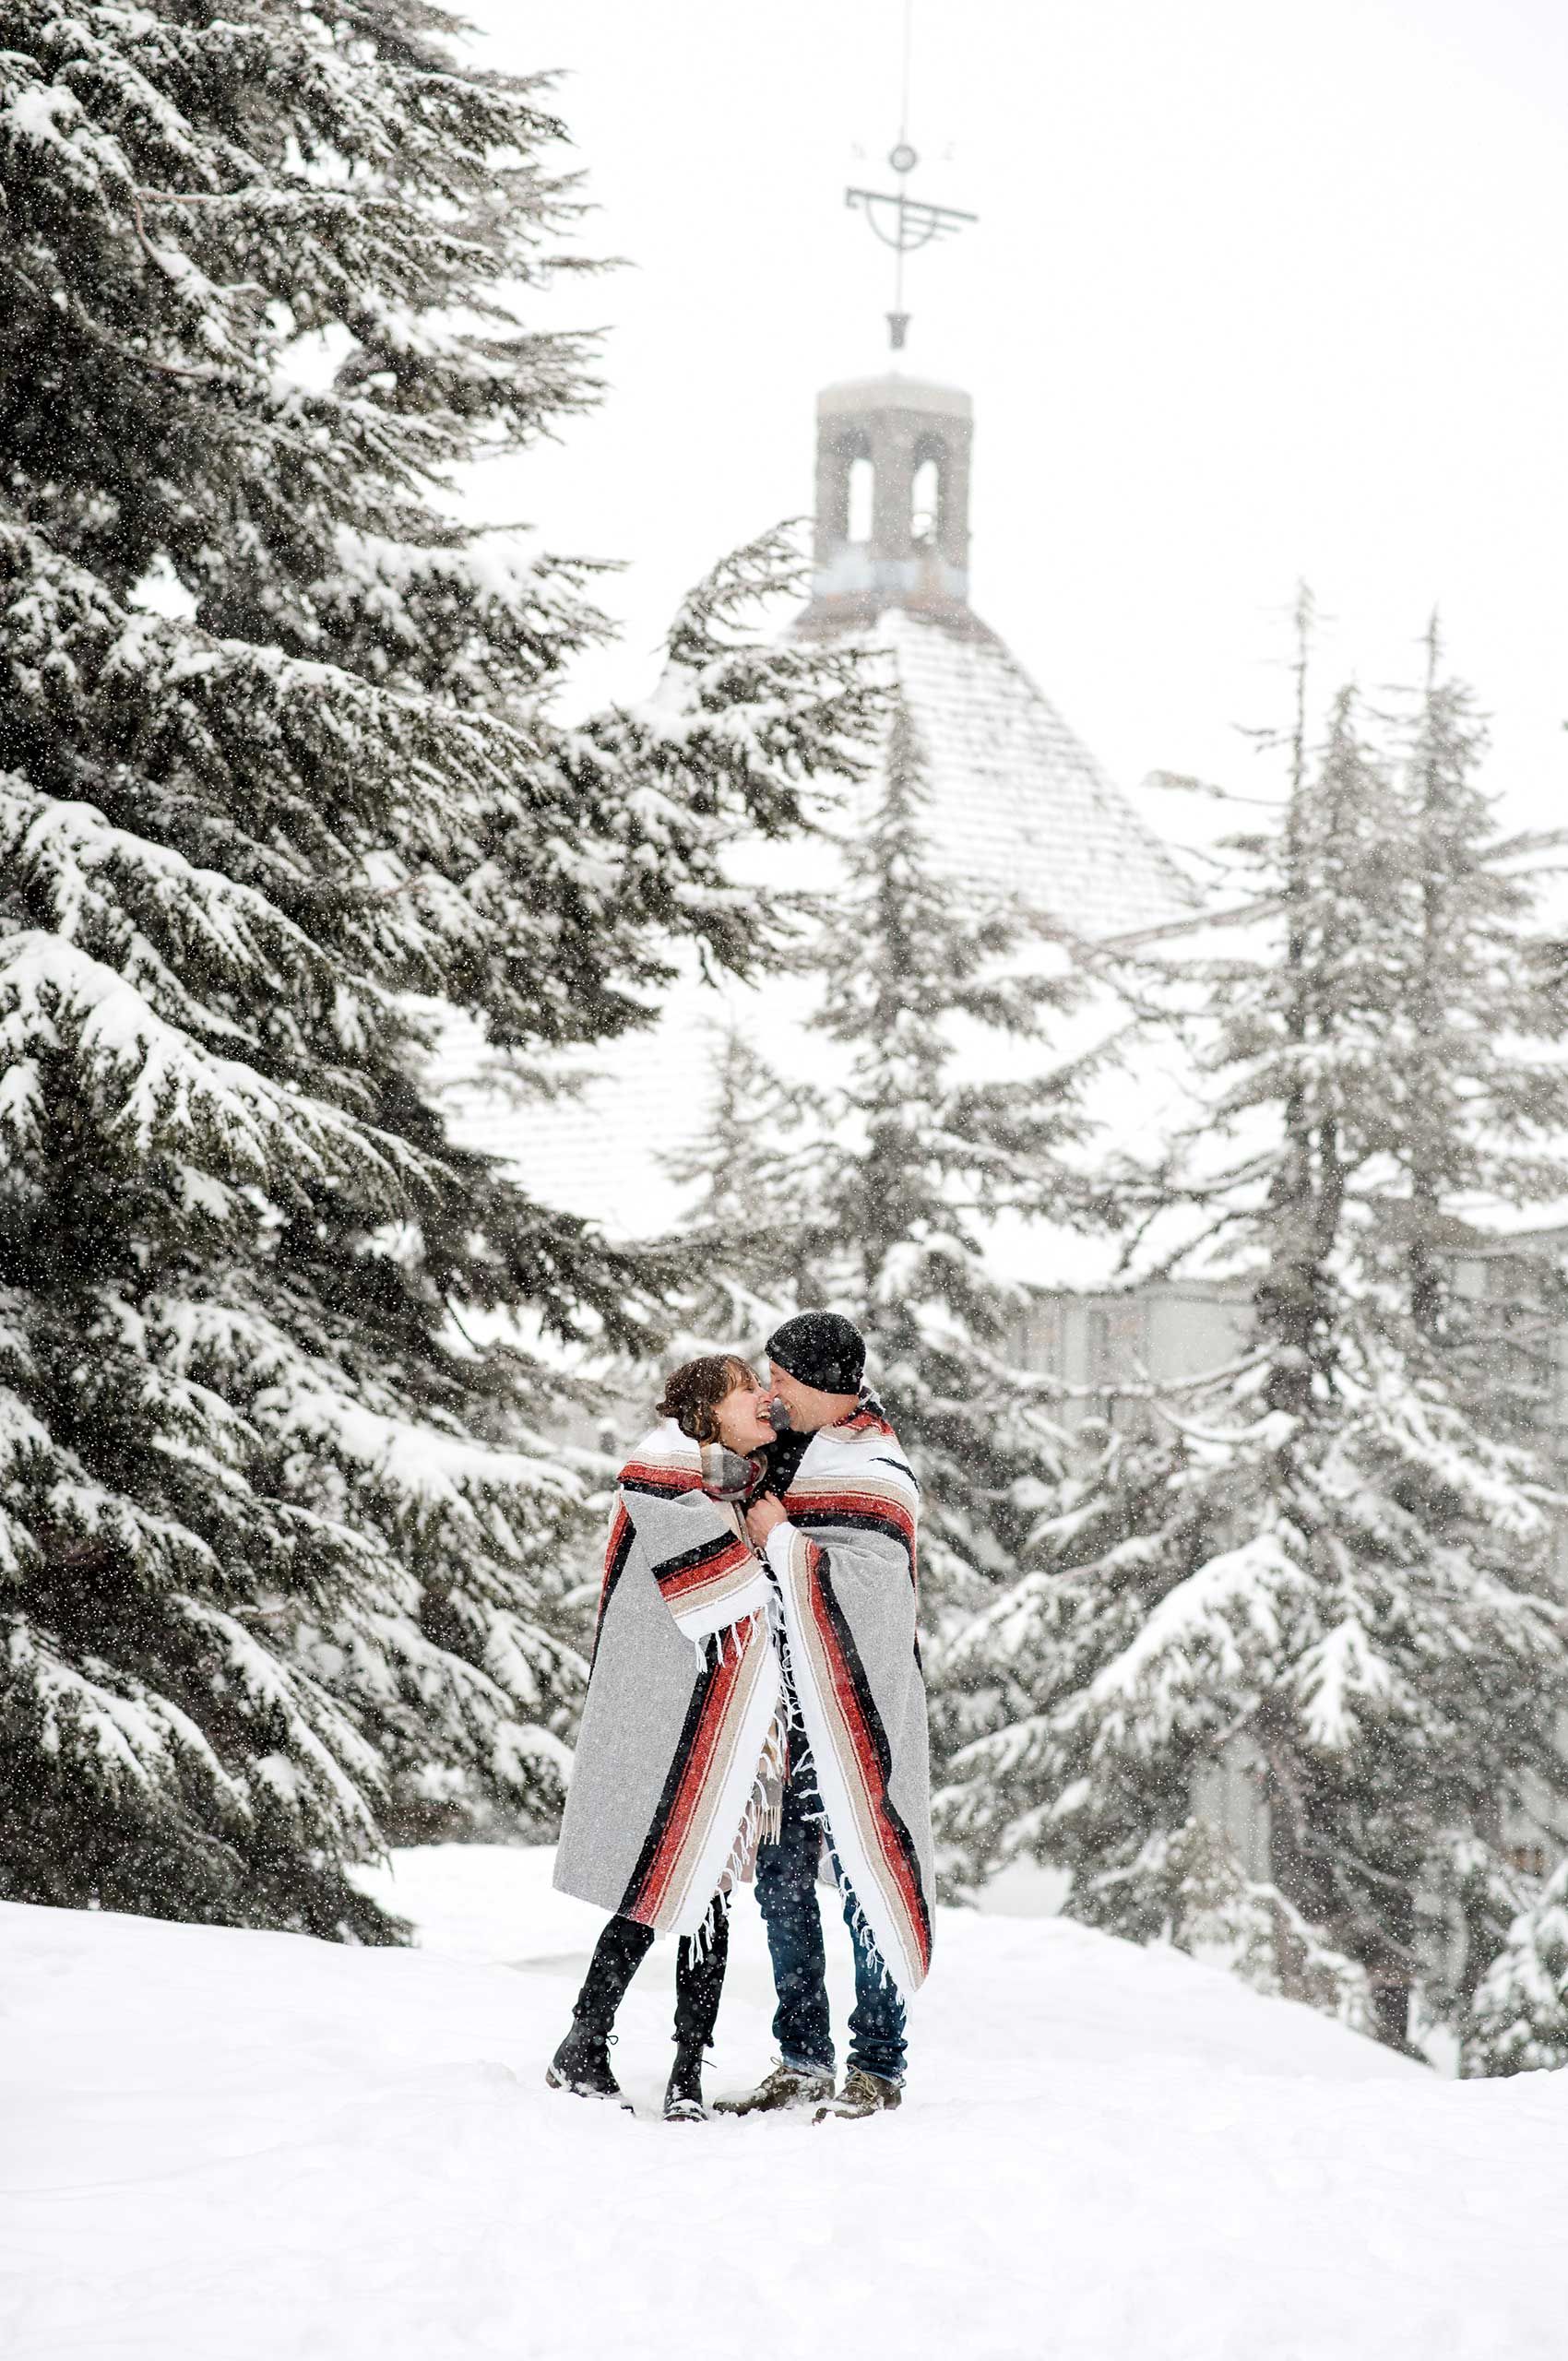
(844, 1564)
(671, 1779)
(668, 1788)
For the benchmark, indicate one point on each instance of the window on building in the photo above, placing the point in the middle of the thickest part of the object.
(925, 502)
(862, 487)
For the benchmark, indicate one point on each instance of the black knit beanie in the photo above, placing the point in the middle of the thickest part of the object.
(822, 1348)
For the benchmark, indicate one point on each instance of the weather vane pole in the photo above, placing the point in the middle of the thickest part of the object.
(904, 222)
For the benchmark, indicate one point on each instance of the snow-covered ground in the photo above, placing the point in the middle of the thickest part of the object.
(220, 2146)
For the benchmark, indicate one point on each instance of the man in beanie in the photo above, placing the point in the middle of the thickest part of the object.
(836, 1525)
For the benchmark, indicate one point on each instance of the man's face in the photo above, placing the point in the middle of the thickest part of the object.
(807, 1407)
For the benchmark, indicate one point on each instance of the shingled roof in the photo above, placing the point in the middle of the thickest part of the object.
(1017, 805)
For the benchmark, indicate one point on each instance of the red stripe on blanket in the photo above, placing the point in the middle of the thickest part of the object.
(616, 1550)
(653, 1886)
(860, 1422)
(672, 1589)
(870, 1748)
(643, 1477)
(867, 1509)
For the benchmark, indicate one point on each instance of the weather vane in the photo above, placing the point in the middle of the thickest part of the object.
(904, 222)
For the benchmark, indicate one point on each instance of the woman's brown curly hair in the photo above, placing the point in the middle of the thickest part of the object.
(694, 1392)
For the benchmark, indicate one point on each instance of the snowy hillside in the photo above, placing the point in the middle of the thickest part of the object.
(231, 2147)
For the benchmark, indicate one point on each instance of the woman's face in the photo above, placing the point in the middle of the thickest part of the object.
(740, 1418)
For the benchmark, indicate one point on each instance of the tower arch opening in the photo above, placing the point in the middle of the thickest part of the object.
(925, 494)
(860, 498)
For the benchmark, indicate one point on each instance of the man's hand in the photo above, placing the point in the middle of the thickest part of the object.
(762, 1516)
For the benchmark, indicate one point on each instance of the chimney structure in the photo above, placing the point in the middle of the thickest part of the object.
(892, 504)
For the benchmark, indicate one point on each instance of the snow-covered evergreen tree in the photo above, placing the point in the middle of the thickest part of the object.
(1482, 1087)
(279, 790)
(871, 1189)
(744, 1253)
(1519, 2018)
(1323, 1567)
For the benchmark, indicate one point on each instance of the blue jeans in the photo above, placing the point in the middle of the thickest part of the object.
(786, 1892)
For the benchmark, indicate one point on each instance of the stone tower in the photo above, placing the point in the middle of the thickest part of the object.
(892, 504)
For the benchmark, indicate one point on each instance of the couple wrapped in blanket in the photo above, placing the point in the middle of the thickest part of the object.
(755, 1710)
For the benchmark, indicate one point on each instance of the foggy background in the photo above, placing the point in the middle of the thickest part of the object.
(1255, 293)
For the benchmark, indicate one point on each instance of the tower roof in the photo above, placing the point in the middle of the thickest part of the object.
(894, 390)
(1015, 803)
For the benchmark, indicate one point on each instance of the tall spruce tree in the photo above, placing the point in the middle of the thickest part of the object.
(275, 1529)
(874, 1184)
(1484, 1098)
(1325, 1564)
(1482, 1003)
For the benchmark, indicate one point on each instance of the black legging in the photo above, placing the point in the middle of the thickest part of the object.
(699, 1977)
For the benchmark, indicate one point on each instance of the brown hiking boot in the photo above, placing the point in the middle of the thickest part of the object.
(784, 2088)
(863, 2093)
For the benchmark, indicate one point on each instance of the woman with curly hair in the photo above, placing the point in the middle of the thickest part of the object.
(681, 1755)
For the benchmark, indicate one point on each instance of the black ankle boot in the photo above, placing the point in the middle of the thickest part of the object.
(682, 2099)
(581, 2065)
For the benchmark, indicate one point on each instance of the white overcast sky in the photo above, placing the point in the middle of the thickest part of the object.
(1261, 289)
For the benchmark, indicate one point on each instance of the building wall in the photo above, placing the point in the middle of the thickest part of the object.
(1097, 1338)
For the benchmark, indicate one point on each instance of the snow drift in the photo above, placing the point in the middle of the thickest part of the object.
(220, 2146)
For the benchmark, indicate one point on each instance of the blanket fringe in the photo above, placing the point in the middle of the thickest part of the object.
(718, 1907)
(760, 1815)
(730, 1639)
(806, 1764)
(786, 1745)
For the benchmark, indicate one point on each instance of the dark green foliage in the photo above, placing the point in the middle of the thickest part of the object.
(280, 1530)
